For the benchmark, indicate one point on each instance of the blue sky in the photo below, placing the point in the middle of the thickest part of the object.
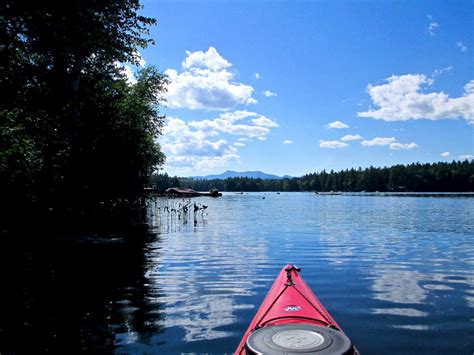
(263, 85)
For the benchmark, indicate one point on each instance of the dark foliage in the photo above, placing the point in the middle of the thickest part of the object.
(68, 118)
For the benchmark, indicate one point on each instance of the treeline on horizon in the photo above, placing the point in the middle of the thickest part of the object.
(456, 176)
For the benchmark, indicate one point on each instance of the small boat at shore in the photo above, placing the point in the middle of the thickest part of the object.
(291, 320)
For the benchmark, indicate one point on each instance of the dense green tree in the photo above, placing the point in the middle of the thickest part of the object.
(69, 120)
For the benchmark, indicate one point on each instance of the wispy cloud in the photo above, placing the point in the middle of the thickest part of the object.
(263, 121)
(401, 146)
(445, 154)
(401, 99)
(433, 26)
(332, 144)
(462, 47)
(351, 137)
(378, 141)
(268, 93)
(391, 142)
(257, 76)
(337, 125)
(438, 72)
(206, 83)
(287, 141)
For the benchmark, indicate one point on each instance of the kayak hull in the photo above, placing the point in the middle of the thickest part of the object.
(289, 301)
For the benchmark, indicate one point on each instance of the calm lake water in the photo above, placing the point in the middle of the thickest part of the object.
(397, 273)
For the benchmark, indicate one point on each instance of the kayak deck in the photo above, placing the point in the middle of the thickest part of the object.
(289, 301)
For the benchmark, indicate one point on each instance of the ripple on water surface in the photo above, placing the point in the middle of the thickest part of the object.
(397, 266)
(395, 272)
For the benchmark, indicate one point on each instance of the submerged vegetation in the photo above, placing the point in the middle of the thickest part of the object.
(69, 117)
(456, 176)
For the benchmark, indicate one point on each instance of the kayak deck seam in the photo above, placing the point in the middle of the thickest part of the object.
(328, 321)
(257, 326)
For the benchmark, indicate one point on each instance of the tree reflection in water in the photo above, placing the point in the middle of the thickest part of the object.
(77, 292)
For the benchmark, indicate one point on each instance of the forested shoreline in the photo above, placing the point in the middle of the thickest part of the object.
(456, 176)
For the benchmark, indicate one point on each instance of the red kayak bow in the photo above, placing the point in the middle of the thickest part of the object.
(291, 320)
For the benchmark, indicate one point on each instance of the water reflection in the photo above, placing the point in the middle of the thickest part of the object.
(410, 285)
(78, 293)
(413, 327)
(406, 312)
(397, 267)
(199, 278)
(398, 286)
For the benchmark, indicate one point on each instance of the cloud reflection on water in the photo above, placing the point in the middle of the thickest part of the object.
(409, 257)
(198, 278)
(398, 286)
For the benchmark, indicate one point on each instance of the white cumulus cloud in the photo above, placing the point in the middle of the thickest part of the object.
(445, 154)
(257, 126)
(378, 141)
(388, 141)
(127, 68)
(204, 145)
(189, 148)
(257, 76)
(332, 144)
(287, 141)
(337, 125)
(128, 71)
(469, 87)
(401, 99)
(139, 58)
(206, 60)
(401, 146)
(268, 93)
(351, 137)
(206, 83)
(466, 157)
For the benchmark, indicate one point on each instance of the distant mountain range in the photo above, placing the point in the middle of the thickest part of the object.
(248, 174)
